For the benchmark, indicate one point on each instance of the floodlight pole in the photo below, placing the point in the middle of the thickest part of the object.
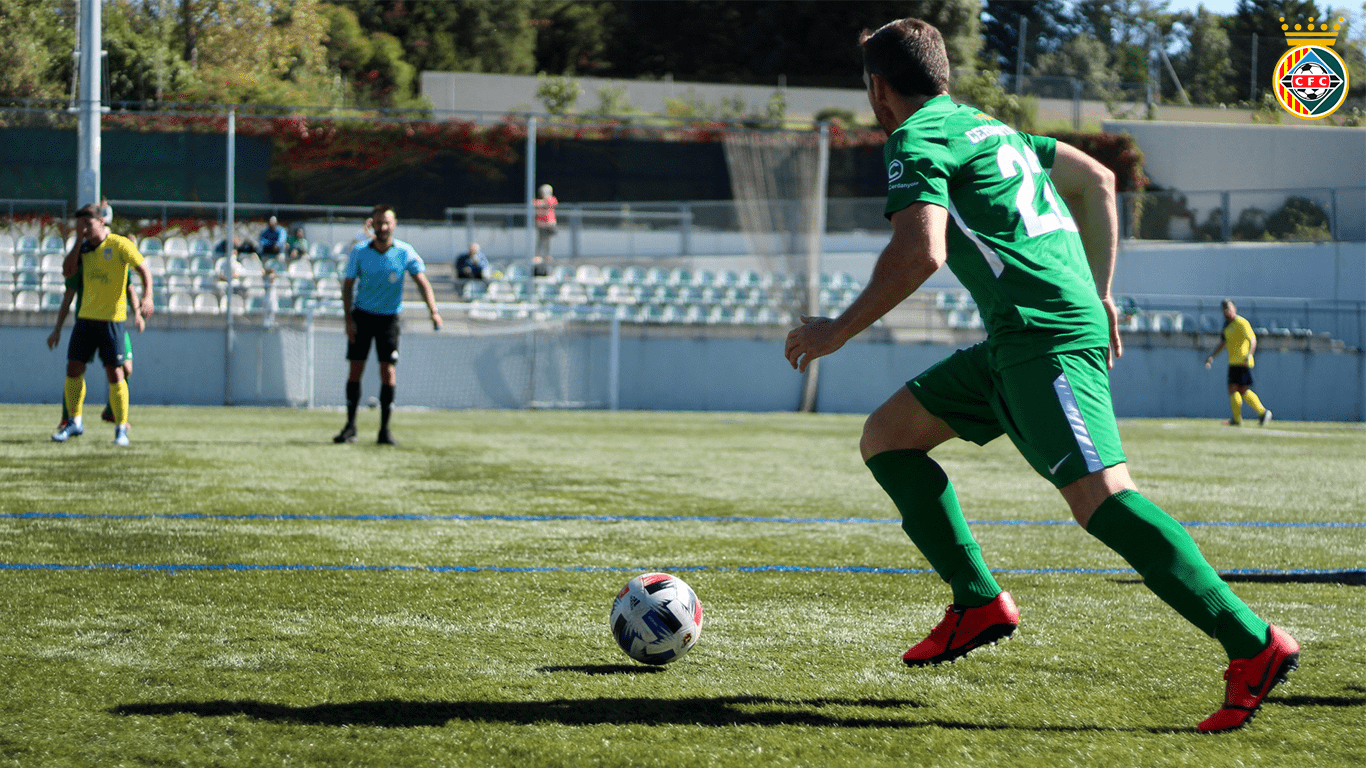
(88, 123)
(815, 247)
(530, 200)
(229, 253)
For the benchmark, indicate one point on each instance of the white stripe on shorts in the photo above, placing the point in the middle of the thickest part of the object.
(1068, 401)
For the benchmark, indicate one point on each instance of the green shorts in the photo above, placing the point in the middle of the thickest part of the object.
(1056, 408)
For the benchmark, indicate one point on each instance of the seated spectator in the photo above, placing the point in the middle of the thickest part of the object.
(298, 245)
(274, 239)
(473, 265)
(240, 245)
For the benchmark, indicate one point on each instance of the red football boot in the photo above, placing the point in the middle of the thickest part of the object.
(964, 629)
(1250, 680)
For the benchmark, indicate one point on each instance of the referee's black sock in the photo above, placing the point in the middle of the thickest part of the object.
(386, 404)
(352, 401)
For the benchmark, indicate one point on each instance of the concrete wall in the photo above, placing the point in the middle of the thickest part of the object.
(1197, 157)
(669, 369)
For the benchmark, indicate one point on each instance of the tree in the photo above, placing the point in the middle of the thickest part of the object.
(573, 38)
(36, 41)
(1204, 66)
(1048, 26)
(1262, 18)
(1083, 58)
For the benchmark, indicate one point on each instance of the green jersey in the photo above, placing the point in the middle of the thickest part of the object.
(1012, 241)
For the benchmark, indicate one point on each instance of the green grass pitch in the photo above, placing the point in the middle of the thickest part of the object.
(235, 590)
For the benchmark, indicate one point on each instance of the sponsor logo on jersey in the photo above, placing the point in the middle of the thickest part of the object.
(983, 132)
(894, 171)
(1310, 80)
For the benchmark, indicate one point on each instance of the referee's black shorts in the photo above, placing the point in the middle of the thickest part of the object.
(382, 329)
(91, 335)
(1239, 376)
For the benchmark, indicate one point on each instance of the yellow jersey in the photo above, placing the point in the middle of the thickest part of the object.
(1238, 338)
(104, 271)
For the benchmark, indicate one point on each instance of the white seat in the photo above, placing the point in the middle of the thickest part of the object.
(633, 276)
(324, 267)
(656, 276)
(29, 301)
(206, 304)
(176, 246)
(6, 299)
(328, 288)
(54, 244)
(300, 268)
(53, 282)
(562, 273)
(589, 274)
(52, 300)
(180, 303)
(150, 246)
(156, 265)
(26, 244)
(6, 245)
(318, 251)
(52, 263)
(200, 247)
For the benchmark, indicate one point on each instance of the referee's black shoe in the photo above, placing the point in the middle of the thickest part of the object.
(347, 435)
(385, 438)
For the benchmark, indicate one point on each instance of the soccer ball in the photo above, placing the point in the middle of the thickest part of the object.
(1312, 94)
(656, 618)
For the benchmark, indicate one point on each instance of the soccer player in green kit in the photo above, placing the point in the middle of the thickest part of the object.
(1037, 252)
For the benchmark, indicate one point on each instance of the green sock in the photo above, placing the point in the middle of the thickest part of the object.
(1171, 565)
(930, 515)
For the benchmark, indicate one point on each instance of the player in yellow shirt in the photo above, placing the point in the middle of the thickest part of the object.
(1241, 343)
(103, 259)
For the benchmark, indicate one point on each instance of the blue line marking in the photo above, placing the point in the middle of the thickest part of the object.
(611, 519)
(849, 569)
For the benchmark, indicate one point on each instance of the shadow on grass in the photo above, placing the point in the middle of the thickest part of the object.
(1319, 701)
(1352, 578)
(719, 711)
(606, 669)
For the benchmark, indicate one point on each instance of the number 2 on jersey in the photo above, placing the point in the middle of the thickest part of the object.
(1011, 161)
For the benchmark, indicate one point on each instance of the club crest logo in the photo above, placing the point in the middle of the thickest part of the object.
(1311, 80)
(894, 171)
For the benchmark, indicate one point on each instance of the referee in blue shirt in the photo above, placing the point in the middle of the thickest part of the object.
(372, 314)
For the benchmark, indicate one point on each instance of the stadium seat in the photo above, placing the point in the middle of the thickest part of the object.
(180, 302)
(622, 294)
(177, 265)
(206, 304)
(612, 275)
(767, 316)
(679, 276)
(250, 264)
(753, 279)
(720, 315)
(175, 246)
(200, 247)
(324, 267)
(202, 265)
(517, 270)
(54, 244)
(328, 288)
(155, 265)
(704, 278)
(473, 289)
(546, 292)
(318, 251)
(179, 282)
(6, 245)
(588, 274)
(28, 301)
(692, 314)
(6, 299)
(633, 276)
(26, 244)
(656, 276)
(341, 250)
(690, 294)
(562, 273)
(727, 278)
(150, 246)
(300, 268)
(51, 263)
(51, 282)
(6, 265)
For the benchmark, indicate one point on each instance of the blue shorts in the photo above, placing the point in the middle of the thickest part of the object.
(89, 336)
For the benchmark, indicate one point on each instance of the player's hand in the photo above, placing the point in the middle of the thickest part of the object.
(139, 321)
(1208, 362)
(815, 337)
(53, 338)
(147, 309)
(436, 321)
(1116, 349)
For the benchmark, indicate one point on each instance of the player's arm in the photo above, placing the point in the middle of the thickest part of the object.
(1210, 360)
(72, 262)
(428, 296)
(1089, 189)
(62, 311)
(918, 248)
(145, 275)
(348, 291)
(1251, 342)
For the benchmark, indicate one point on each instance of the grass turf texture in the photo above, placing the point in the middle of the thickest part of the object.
(513, 667)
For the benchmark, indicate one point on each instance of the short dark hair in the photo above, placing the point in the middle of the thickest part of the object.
(909, 54)
(382, 209)
(88, 211)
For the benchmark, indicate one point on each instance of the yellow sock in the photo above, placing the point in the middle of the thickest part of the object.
(118, 401)
(1254, 401)
(74, 392)
(1235, 402)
